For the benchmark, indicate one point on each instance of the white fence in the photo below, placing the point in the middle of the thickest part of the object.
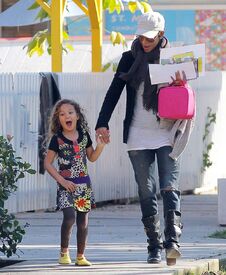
(112, 175)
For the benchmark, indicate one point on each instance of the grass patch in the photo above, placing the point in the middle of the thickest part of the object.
(213, 273)
(220, 234)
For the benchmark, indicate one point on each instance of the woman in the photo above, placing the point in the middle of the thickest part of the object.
(148, 137)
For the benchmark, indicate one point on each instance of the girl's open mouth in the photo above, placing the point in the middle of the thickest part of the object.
(69, 123)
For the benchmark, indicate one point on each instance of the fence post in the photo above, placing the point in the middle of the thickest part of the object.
(222, 201)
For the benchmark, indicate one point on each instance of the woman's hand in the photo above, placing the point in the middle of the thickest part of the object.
(179, 81)
(103, 135)
(68, 185)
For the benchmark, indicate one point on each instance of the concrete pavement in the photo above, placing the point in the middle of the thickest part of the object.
(117, 243)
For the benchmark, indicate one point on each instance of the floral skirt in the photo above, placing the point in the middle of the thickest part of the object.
(82, 199)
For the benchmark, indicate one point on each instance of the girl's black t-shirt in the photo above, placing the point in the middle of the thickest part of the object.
(71, 156)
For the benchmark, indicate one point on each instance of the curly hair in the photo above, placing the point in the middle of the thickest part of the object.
(54, 122)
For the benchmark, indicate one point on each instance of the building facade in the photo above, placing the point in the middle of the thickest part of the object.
(20, 31)
(187, 22)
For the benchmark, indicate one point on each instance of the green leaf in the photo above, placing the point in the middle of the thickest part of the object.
(115, 66)
(49, 50)
(36, 45)
(69, 47)
(48, 37)
(26, 165)
(17, 237)
(7, 225)
(113, 36)
(65, 35)
(34, 6)
(140, 7)
(65, 50)
(32, 45)
(146, 7)
(9, 253)
(21, 176)
(106, 4)
(42, 14)
(106, 66)
(15, 223)
(118, 38)
(22, 231)
(2, 203)
(31, 171)
(118, 6)
(112, 6)
(132, 6)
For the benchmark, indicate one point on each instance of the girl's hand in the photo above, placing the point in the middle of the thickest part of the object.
(68, 185)
(179, 81)
(100, 140)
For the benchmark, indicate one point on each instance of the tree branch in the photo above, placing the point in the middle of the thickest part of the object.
(81, 6)
(45, 6)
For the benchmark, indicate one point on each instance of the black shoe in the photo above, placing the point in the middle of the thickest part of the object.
(154, 256)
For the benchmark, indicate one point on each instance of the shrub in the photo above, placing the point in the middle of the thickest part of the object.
(12, 168)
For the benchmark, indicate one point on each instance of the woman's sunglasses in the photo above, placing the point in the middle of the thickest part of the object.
(149, 40)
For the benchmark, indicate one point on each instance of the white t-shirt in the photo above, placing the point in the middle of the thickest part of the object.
(145, 131)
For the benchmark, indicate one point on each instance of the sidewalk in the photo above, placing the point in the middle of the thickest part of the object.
(117, 243)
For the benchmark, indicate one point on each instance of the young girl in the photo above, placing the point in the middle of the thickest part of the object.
(71, 143)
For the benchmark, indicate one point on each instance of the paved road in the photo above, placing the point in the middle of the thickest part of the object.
(117, 244)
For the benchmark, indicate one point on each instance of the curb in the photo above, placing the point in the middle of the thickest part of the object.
(195, 267)
(201, 266)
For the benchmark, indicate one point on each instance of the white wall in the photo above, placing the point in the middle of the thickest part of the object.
(112, 175)
(78, 60)
(210, 92)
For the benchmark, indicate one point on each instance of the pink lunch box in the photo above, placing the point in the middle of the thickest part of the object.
(176, 102)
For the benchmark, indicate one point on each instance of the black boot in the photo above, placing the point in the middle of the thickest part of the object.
(172, 233)
(152, 230)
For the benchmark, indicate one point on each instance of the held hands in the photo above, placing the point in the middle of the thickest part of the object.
(99, 141)
(68, 185)
(179, 81)
(102, 135)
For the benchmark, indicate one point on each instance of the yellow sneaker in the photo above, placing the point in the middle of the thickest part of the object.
(81, 261)
(64, 258)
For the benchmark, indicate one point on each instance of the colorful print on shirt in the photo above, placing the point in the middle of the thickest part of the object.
(72, 163)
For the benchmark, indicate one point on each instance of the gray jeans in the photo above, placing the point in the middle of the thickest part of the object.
(143, 162)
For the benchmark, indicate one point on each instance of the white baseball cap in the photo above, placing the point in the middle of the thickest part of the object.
(150, 23)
